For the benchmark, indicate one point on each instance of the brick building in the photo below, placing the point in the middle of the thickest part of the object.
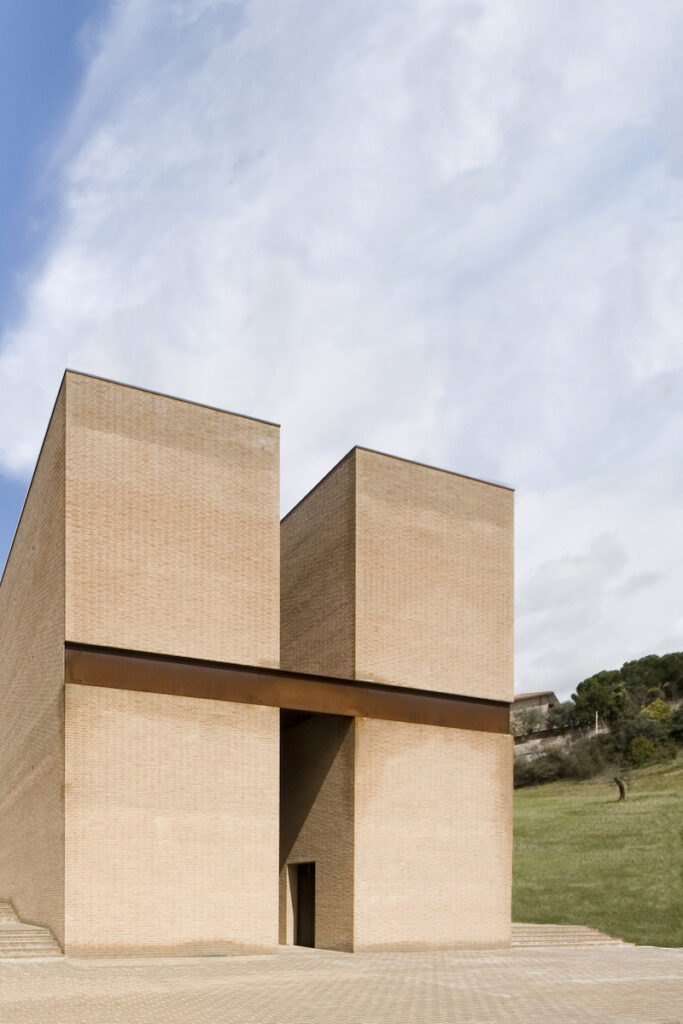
(220, 732)
(541, 700)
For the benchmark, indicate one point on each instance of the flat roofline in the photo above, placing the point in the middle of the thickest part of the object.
(106, 380)
(438, 469)
(398, 458)
(164, 394)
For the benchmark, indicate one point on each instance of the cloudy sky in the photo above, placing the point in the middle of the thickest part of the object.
(448, 230)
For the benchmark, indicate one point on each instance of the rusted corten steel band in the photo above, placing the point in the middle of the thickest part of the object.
(246, 684)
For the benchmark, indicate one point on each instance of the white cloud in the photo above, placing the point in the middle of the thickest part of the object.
(447, 229)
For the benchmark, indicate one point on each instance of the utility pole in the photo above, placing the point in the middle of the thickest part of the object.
(596, 723)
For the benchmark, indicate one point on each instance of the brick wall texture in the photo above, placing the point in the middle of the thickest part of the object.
(434, 579)
(171, 824)
(410, 828)
(31, 696)
(433, 837)
(135, 822)
(401, 574)
(317, 578)
(316, 823)
(172, 526)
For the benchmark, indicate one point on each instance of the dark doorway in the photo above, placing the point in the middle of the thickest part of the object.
(316, 829)
(305, 905)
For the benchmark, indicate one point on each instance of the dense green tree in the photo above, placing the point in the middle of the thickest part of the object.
(672, 675)
(657, 732)
(653, 676)
(604, 693)
(641, 750)
(659, 710)
(562, 716)
(642, 679)
(631, 701)
(676, 725)
(622, 693)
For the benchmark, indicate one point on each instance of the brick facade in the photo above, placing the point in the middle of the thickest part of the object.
(434, 576)
(172, 515)
(433, 837)
(317, 578)
(32, 696)
(171, 824)
(407, 570)
(157, 815)
(317, 824)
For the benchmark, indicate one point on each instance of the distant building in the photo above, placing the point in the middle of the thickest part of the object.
(542, 699)
(529, 712)
(219, 732)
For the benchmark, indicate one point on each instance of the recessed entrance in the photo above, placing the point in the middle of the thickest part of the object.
(316, 830)
(304, 922)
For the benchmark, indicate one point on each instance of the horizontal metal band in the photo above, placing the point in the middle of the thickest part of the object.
(247, 684)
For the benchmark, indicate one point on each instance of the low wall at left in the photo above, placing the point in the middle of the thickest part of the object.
(31, 697)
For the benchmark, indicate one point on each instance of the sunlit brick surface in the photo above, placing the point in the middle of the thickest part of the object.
(172, 526)
(434, 578)
(398, 573)
(433, 836)
(402, 574)
(171, 823)
(592, 986)
(152, 524)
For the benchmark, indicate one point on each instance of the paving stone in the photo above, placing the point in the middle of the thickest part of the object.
(591, 985)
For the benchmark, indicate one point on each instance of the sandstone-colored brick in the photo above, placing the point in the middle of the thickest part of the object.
(402, 574)
(172, 535)
(434, 579)
(171, 823)
(31, 696)
(317, 577)
(433, 837)
(152, 524)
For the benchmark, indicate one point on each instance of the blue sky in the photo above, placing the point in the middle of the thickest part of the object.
(448, 229)
(41, 65)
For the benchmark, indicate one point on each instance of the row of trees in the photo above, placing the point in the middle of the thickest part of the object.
(633, 705)
(622, 693)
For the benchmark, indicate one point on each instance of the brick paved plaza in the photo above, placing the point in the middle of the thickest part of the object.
(628, 985)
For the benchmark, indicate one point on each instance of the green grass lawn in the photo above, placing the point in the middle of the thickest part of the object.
(583, 858)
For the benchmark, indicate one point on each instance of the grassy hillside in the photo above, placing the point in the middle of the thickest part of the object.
(583, 858)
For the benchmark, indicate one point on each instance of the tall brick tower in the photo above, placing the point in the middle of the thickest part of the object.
(164, 769)
(399, 576)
